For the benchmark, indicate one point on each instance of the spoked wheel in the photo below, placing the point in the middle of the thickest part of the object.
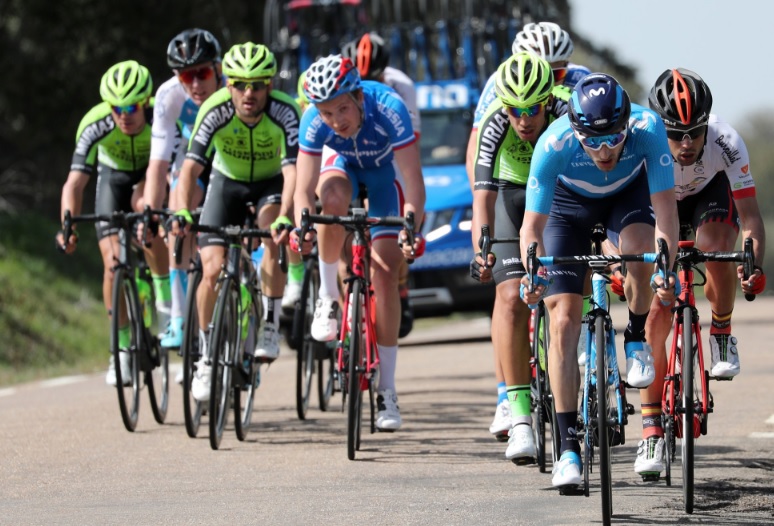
(190, 349)
(249, 370)
(588, 443)
(603, 428)
(158, 378)
(326, 374)
(541, 390)
(355, 394)
(688, 410)
(126, 306)
(223, 343)
(669, 443)
(305, 344)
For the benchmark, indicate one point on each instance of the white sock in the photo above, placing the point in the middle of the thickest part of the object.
(271, 307)
(388, 360)
(329, 280)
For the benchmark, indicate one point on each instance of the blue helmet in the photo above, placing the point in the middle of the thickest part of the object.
(599, 106)
(330, 77)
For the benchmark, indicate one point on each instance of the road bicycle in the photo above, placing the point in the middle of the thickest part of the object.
(236, 322)
(310, 352)
(543, 410)
(603, 410)
(357, 356)
(133, 303)
(687, 401)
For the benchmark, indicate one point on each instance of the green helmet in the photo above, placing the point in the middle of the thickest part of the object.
(301, 95)
(249, 61)
(126, 83)
(524, 80)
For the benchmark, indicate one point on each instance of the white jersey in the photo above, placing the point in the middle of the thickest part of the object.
(401, 83)
(172, 106)
(724, 153)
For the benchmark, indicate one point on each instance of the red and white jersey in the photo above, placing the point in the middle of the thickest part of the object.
(724, 153)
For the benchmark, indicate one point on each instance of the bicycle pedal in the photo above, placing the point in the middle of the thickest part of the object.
(651, 477)
(722, 378)
(629, 409)
(385, 430)
(502, 437)
(570, 490)
(523, 461)
(263, 359)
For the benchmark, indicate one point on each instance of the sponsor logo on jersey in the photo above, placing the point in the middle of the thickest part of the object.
(214, 120)
(490, 136)
(288, 119)
(93, 133)
(731, 155)
(394, 118)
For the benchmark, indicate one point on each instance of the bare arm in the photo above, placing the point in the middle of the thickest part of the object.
(307, 175)
(411, 169)
(667, 221)
(289, 176)
(483, 214)
(155, 183)
(189, 173)
(72, 192)
(470, 157)
(752, 226)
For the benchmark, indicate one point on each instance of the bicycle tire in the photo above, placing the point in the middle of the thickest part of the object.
(687, 448)
(243, 412)
(539, 385)
(326, 376)
(222, 345)
(125, 294)
(302, 335)
(355, 369)
(157, 379)
(190, 349)
(603, 436)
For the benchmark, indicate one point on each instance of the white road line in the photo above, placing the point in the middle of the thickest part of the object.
(65, 380)
(758, 434)
(770, 420)
(7, 391)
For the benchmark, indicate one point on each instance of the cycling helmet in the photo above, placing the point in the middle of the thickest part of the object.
(126, 83)
(524, 80)
(192, 47)
(546, 39)
(330, 77)
(369, 53)
(599, 106)
(681, 98)
(249, 61)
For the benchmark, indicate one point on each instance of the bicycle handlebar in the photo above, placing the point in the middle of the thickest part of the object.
(692, 256)
(236, 233)
(118, 217)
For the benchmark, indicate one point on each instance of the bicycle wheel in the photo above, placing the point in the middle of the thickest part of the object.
(539, 394)
(602, 435)
(126, 303)
(157, 378)
(222, 346)
(249, 371)
(688, 409)
(305, 344)
(190, 349)
(355, 369)
(326, 375)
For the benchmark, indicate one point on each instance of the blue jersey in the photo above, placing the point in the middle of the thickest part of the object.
(560, 156)
(386, 127)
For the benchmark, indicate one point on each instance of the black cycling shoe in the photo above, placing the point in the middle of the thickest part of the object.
(406, 318)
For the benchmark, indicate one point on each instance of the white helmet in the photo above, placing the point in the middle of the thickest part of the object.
(329, 77)
(546, 39)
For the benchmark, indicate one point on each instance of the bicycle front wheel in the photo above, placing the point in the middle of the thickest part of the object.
(223, 343)
(191, 351)
(539, 380)
(687, 449)
(126, 312)
(249, 372)
(305, 344)
(157, 378)
(356, 370)
(603, 438)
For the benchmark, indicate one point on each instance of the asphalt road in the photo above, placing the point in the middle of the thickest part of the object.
(67, 459)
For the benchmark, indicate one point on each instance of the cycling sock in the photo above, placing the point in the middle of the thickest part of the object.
(502, 392)
(124, 337)
(651, 420)
(295, 272)
(721, 323)
(162, 289)
(329, 280)
(635, 331)
(388, 360)
(520, 401)
(178, 280)
(271, 307)
(568, 432)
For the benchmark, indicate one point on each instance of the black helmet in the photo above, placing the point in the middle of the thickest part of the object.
(599, 106)
(369, 53)
(681, 98)
(192, 47)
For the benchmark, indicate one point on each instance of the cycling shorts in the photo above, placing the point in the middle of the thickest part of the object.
(509, 213)
(713, 204)
(226, 201)
(572, 218)
(114, 193)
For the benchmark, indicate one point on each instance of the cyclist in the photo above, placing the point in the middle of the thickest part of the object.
(715, 190)
(607, 161)
(195, 58)
(371, 55)
(369, 128)
(553, 44)
(254, 131)
(114, 136)
(526, 104)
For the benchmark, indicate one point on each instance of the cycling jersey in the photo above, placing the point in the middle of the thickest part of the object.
(500, 153)
(246, 153)
(174, 116)
(575, 72)
(559, 156)
(386, 127)
(99, 139)
(724, 153)
(400, 82)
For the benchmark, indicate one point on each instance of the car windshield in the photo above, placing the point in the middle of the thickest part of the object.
(445, 137)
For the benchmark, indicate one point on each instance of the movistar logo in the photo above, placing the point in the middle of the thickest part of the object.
(597, 92)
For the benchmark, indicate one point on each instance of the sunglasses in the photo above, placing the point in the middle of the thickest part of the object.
(596, 143)
(129, 110)
(529, 111)
(682, 135)
(559, 75)
(255, 84)
(188, 76)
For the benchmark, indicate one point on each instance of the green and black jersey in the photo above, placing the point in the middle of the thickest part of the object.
(246, 153)
(500, 154)
(99, 139)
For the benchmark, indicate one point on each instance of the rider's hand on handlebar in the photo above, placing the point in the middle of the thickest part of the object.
(412, 251)
(69, 248)
(481, 270)
(668, 295)
(296, 244)
(280, 229)
(617, 280)
(755, 284)
(540, 289)
(180, 223)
